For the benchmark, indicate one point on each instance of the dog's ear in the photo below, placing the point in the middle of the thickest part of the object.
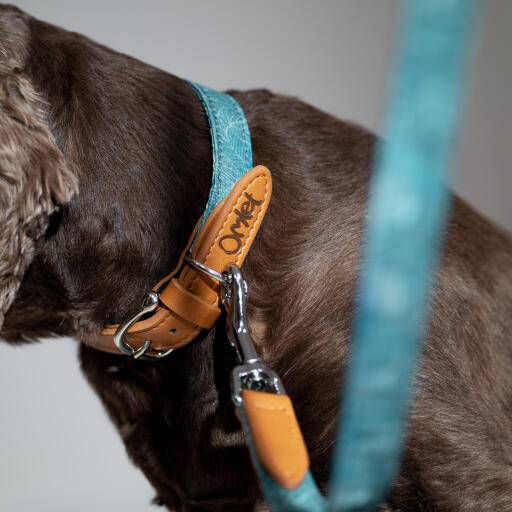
(34, 178)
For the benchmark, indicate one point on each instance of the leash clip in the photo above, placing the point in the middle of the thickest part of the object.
(252, 373)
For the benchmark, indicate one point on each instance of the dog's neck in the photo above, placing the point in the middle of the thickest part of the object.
(141, 148)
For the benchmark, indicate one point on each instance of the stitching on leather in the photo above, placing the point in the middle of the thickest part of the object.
(242, 249)
(255, 222)
(198, 301)
(262, 175)
(295, 438)
(167, 315)
(164, 318)
(231, 211)
(152, 328)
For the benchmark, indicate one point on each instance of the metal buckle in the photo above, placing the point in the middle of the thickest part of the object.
(252, 373)
(149, 304)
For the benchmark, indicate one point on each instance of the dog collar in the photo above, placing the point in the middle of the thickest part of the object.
(187, 300)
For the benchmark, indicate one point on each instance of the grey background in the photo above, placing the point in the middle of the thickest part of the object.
(58, 450)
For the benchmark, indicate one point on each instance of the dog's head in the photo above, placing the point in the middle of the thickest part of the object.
(35, 179)
(133, 140)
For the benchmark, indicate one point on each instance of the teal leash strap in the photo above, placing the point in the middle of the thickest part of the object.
(407, 211)
(231, 143)
(408, 205)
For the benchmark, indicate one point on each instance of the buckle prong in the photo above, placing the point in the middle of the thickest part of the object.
(149, 304)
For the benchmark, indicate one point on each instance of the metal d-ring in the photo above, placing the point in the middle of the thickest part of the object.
(149, 304)
(222, 278)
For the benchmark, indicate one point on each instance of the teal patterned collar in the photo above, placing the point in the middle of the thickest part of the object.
(231, 143)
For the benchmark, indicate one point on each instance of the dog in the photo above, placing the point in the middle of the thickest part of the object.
(105, 167)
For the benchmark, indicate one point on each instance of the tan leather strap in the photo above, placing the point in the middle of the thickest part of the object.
(189, 306)
(190, 300)
(276, 436)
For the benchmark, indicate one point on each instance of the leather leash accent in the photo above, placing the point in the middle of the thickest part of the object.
(277, 437)
(189, 302)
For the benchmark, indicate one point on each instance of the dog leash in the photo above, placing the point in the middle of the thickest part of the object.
(407, 212)
(408, 207)
(400, 257)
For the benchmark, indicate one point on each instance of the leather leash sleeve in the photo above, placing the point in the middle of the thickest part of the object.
(188, 299)
(276, 437)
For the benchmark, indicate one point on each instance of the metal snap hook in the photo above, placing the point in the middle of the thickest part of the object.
(252, 373)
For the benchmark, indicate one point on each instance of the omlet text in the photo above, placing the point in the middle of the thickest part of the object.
(232, 242)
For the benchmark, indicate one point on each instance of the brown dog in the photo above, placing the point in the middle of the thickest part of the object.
(105, 167)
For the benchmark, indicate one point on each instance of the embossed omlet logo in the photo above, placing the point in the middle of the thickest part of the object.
(232, 242)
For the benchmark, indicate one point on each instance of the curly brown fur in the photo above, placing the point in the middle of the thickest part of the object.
(138, 141)
(34, 177)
